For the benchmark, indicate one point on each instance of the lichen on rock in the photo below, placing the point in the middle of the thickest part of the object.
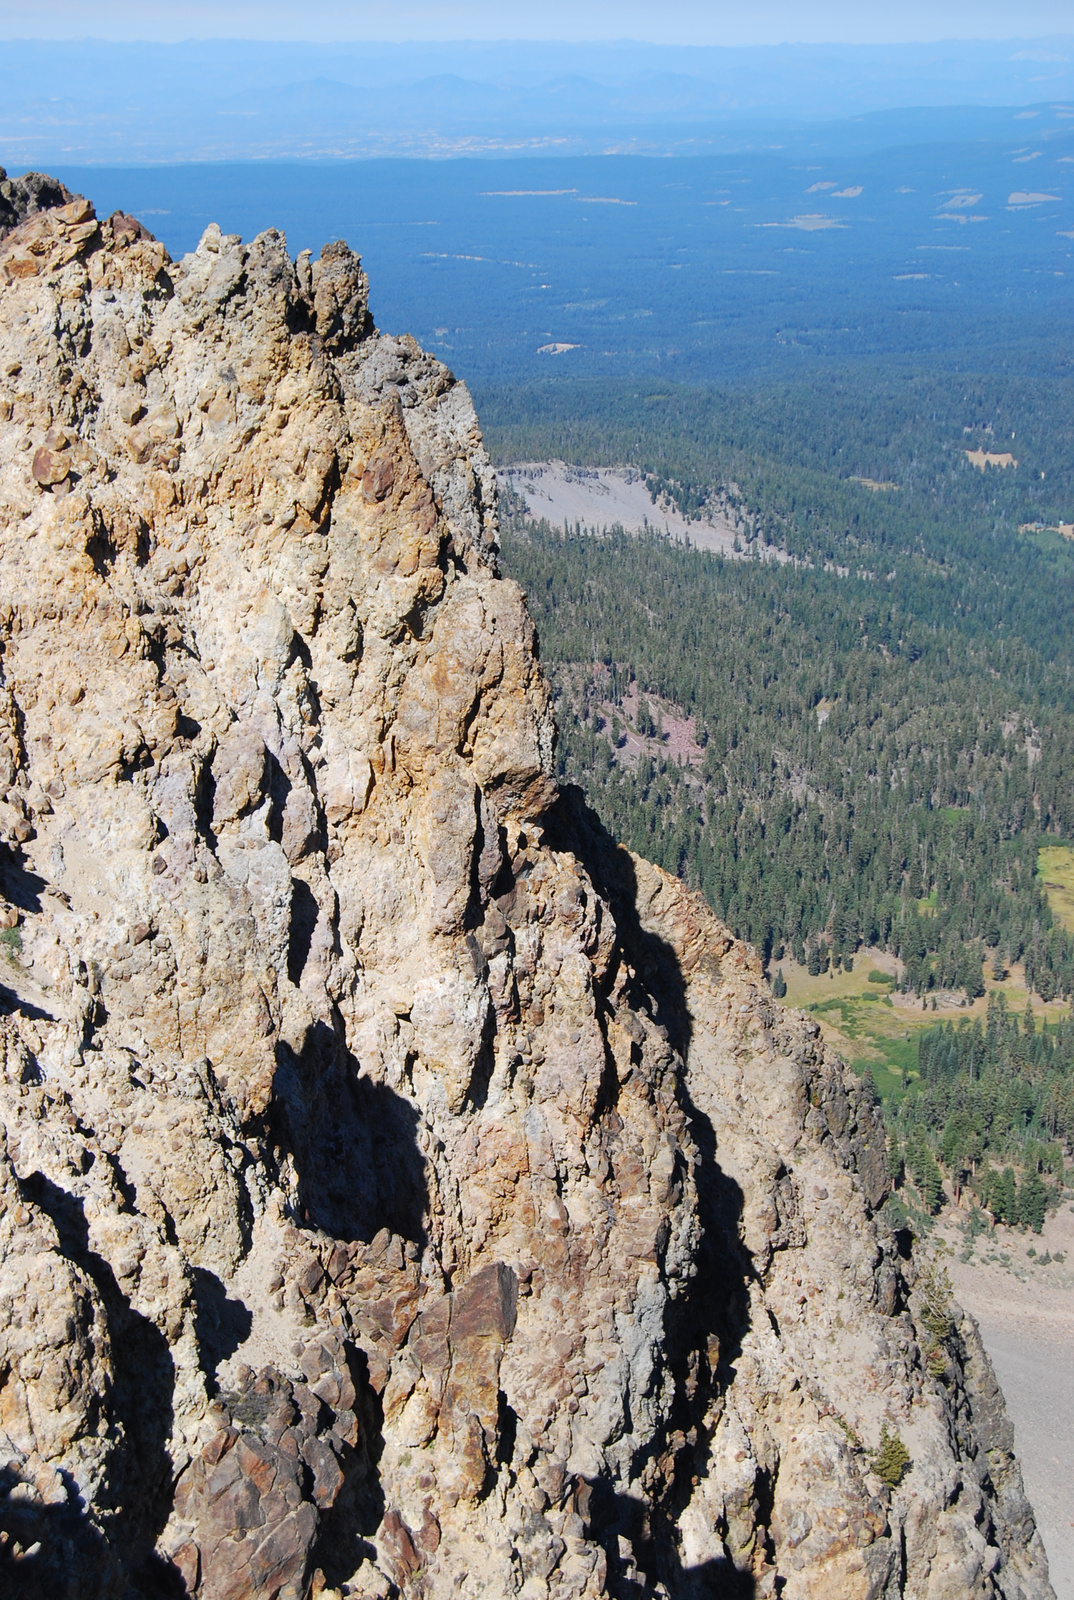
(406, 1191)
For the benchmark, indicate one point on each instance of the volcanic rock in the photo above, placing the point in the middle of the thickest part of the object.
(406, 1190)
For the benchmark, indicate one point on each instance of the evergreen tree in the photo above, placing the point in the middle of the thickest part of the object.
(1032, 1202)
(894, 1160)
(891, 1460)
(929, 1182)
(924, 1170)
(1003, 1196)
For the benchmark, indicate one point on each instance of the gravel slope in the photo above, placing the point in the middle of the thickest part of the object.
(1026, 1314)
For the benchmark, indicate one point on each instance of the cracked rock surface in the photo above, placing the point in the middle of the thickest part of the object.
(404, 1190)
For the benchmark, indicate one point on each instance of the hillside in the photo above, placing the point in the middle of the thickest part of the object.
(868, 763)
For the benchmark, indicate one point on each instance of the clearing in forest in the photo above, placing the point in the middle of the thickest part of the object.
(1055, 868)
(601, 497)
(875, 1028)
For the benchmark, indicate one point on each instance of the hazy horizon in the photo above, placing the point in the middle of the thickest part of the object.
(101, 101)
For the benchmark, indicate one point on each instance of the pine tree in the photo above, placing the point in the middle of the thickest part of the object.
(891, 1460)
(930, 1182)
(1003, 1196)
(970, 973)
(779, 984)
(926, 1173)
(894, 1162)
(974, 1150)
(1032, 1202)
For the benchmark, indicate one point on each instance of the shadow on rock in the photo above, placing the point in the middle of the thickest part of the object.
(48, 1544)
(572, 825)
(713, 1580)
(12, 1003)
(134, 1504)
(347, 1531)
(642, 1563)
(353, 1141)
(18, 884)
(221, 1325)
(706, 1325)
(304, 914)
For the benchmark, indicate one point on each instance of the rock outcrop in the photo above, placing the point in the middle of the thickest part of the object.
(405, 1190)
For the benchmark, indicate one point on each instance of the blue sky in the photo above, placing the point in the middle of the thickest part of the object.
(715, 22)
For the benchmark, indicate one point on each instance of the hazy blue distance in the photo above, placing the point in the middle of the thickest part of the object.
(706, 268)
(91, 102)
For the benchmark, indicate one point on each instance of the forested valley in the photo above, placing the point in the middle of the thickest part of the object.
(863, 746)
(989, 1099)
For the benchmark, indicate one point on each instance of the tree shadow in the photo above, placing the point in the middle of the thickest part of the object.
(718, 1579)
(706, 1325)
(278, 787)
(133, 1503)
(642, 1563)
(571, 825)
(23, 889)
(354, 1143)
(304, 914)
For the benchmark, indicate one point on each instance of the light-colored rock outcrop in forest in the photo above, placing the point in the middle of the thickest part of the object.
(405, 1191)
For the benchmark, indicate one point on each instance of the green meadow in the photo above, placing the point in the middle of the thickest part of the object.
(875, 1028)
(1055, 869)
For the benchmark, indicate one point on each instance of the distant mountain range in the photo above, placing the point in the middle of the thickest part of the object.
(89, 101)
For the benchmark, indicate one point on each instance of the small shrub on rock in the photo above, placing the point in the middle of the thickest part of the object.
(891, 1460)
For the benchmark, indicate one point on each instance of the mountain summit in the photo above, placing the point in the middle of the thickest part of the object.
(405, 1190)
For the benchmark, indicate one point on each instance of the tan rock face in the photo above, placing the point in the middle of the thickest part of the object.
(406, 1191)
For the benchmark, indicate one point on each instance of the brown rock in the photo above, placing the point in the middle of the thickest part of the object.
(50, 466)
(486, 1305)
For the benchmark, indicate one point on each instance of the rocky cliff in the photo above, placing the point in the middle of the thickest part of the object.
(405, 1191)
